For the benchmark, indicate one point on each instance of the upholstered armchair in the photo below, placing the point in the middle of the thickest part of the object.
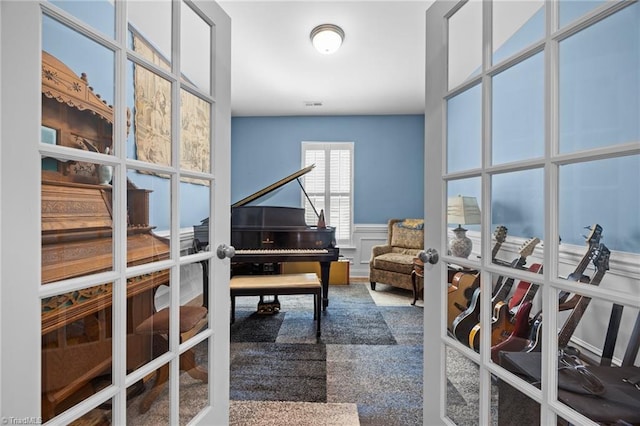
(392, 263)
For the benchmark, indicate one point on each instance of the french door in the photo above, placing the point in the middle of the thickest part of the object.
(532, 111)
(115, 142)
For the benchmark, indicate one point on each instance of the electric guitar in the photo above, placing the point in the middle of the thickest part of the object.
(600, 256)
(534, 343)
(592, 240)
(504, 320)
(463, 284)
(529, 292)
(601, 262)
(517, 341)
(497, 301)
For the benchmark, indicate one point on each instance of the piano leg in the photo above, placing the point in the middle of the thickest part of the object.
(324, 278)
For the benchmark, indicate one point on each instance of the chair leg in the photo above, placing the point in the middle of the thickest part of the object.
(188, 364)
(162, 376)
(48, 408)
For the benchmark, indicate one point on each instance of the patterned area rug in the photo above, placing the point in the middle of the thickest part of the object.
(264, 413)
(365, 369)
(278, 372)
(368, 355)
(351, 318)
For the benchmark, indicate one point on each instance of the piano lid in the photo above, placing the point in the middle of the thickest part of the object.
(273, 186)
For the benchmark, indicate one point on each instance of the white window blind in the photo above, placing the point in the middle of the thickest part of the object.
(330, 185)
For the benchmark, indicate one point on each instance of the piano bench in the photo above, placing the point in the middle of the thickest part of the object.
(276, 285)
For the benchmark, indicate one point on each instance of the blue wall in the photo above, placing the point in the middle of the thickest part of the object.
(599, 105)
(388, 160)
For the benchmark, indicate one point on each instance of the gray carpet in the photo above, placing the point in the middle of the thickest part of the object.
(278, 372)
(265, 413)
(252, 327)
(367, 355)
(365, 369)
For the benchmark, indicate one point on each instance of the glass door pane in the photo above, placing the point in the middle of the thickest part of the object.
(464, 130)
(465, 43)
(195, 47)
(149, 31)
(149, 103)
(599, 87)
(518, 112)
(516, 25)
(98, 14)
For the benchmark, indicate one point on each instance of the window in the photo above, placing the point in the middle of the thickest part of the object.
(330, 185)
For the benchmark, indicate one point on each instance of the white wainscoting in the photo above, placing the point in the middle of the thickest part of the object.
(190, 274)
(365, 236)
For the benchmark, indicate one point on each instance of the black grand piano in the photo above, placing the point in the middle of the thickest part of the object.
(271, 234)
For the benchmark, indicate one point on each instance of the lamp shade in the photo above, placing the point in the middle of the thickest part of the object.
(327, 38)
(463, 210)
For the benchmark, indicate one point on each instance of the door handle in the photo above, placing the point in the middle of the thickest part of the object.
(429, 256)
(225, 251)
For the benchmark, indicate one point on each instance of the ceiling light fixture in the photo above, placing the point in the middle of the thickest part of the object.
(327, 38)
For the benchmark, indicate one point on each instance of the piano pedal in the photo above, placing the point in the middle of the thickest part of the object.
(268, 308)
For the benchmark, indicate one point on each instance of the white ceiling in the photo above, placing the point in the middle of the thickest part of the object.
(378, 70)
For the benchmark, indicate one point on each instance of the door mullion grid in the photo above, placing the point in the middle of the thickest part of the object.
(549, 386)
(174, 287)
(213, 93)
(428, 406)
(119, 311)
(485, 278)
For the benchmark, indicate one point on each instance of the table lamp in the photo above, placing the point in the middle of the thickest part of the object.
(463, 211)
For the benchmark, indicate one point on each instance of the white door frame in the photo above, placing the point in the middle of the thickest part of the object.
(20, 271)
(220, 224)
(434, 313)
(20, 201)
(435, 338)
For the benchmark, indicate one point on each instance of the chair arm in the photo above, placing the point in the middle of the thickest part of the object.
(380, 249)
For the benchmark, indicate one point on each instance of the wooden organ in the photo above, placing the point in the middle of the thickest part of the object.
(77, 241)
